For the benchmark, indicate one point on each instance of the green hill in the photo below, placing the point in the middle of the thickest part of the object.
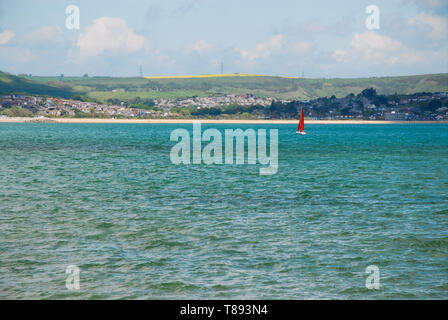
(126, 89)
(19, 85)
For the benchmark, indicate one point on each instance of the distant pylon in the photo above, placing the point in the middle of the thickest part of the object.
(222, 67)
(141, 72)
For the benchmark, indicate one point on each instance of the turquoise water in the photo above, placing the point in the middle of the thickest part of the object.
(106, 197)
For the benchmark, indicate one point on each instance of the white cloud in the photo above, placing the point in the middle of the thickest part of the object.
(371, 41)
(370, 47)
(109, 34)
(6, 36)
(436, 26)
(200, 46)
(425, 57)
(263, 50)
(46, 34)
(302, 48)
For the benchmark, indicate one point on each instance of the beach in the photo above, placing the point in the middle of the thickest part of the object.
(209, 121)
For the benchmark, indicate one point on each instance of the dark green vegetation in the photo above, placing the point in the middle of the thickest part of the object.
(233, 111)
(16, 111)
(21, 85)
(105, 89)
(364, 105)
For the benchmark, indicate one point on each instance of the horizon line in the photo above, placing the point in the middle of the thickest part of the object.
(220, 75)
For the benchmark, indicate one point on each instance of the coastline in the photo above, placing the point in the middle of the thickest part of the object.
(208, 121)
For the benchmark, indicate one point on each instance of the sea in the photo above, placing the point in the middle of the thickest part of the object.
(99, 211)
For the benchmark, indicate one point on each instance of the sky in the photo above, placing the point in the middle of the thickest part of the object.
(315, 39)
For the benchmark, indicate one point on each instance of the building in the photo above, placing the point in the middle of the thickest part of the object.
(395, 116)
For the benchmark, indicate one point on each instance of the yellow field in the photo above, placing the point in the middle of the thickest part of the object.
(208, 76)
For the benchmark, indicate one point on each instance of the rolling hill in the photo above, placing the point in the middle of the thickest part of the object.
(126, 89)
(18, 85)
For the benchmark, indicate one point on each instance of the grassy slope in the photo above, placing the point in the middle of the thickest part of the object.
(283, 88)
(19, 85)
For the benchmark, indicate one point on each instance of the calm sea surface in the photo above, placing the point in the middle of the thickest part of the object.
(107, 198)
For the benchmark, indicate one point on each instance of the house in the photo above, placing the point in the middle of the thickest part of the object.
(395, 116)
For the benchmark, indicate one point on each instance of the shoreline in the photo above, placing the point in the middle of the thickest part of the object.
(207, 121)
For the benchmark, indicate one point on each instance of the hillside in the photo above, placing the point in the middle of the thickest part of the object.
(19, 85)
(127, 89)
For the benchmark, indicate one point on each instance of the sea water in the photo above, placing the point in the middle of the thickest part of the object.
(107, 199)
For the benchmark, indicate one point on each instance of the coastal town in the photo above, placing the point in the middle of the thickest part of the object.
(58, 107)
(367, 105)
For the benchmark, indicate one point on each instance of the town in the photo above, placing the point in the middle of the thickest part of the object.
(367, 105)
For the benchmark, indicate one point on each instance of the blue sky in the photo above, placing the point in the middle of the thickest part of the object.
(318, 38)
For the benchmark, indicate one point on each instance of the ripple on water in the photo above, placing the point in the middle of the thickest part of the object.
(108, 199)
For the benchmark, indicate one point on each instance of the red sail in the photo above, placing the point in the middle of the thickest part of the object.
(301, 127)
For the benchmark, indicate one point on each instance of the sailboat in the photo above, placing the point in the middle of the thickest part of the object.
(301, 128)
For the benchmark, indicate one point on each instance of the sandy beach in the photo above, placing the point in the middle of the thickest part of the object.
(210, 121)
